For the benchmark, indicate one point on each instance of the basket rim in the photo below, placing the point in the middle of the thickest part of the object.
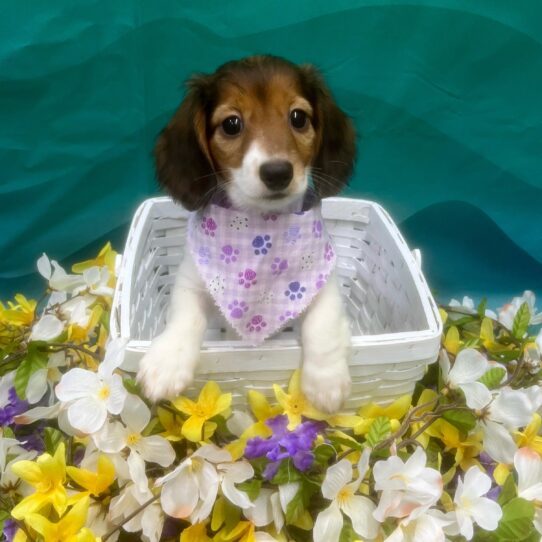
(119, 319)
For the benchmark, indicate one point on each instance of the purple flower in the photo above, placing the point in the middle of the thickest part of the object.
(284, 444)
(14, 407)
(10, 529)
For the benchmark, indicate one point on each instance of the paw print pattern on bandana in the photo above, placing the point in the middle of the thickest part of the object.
(229, 254)
(278, 266)
(247, 278)
(204, 255)
(307, 261)
(256, 323)
(239, 223)
(237, 308)
(317, 228)
(328, 252)
(262, 244)
(209, 226)
(287, 315)
(292, 234)
(217, 285)
(322, 277)
(295, 290)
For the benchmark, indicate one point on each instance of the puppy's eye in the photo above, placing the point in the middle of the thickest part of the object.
(232, 126)
(298, 119)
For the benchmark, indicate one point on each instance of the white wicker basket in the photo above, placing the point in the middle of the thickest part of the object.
(396, 325)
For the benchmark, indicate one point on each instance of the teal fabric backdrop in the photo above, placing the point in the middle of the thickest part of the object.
(446, 96)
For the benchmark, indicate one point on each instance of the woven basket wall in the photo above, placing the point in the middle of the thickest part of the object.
(395, 322)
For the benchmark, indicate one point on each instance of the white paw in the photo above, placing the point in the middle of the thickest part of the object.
(326, 387)
(167, 369)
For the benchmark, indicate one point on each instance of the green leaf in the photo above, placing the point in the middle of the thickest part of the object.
(295, 507)
(521, 321)
(508, 491)
(379, 430)
(34, 360)
(462, 419)
(340, 441)
(323, 453)
(286, 473)
(493, 377)
(52, 438)
(251, 488)
(517, 520)
(348, 534)
(482, 307)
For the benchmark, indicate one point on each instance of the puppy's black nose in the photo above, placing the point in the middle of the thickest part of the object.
(276, 174)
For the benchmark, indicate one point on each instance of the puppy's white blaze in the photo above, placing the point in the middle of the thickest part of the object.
(247, 190)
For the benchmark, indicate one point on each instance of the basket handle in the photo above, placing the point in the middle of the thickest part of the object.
(417, 253)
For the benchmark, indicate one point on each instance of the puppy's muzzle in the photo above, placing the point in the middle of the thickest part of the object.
(276, 174)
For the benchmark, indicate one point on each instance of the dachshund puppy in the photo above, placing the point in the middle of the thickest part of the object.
(254, 134)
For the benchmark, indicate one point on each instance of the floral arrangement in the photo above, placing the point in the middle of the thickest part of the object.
(85, 457)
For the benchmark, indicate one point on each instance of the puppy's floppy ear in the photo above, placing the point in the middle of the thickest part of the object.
(336, 137)
(183, 162)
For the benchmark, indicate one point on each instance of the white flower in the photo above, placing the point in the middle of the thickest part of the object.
(90, 396)
(507, 411)
(47, 328)
(468, 367)
(114, 437)
(150, 520)
(270, 506)
(508, 312)
(6, 383)
(94, 280)
(11, 447)
(190, 490)
(425, 528)
(471, 506)
(341, 490)
(529, 468)
(39, 381)
(408, 489)
(468, 306)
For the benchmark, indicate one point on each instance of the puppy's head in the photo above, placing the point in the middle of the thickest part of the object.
(258, 129)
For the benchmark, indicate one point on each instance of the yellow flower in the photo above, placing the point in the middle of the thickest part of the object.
(47, 474)
(467, 449)
(262, 411)
(394, 412)
(443, 315)
(195, 533)
(528, 438)
(294, 403)
(172, 423)
(94, 483)
(20, 313)
(501, 473)
(210, 403)
(67, 529)
(80, 334)
(106, 256)
(452, 342)
(242, 532)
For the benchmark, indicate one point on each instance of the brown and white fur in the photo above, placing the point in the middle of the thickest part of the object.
(240, 131)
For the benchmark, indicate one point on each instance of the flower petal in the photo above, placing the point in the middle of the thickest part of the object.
(469, 366)
(337, 476)
(529, 468)
(192, 429)
(213, 453)
(477, 396)
(136, 466)
(77, 383)
(328, 525)
(156, 449)
(360, 510)
(498, 442)
(179, 496)
(37, 386)
(117, 394)
(111, 438)
(87, 415)
(49, 327)
(135, 413)
(261, 513)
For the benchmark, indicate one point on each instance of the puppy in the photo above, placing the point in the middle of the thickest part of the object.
(254, 134)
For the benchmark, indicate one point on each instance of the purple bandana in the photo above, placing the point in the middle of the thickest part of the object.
(262, 270)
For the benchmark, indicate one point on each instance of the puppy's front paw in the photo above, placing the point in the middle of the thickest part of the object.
(167, 369)
(326, 387)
